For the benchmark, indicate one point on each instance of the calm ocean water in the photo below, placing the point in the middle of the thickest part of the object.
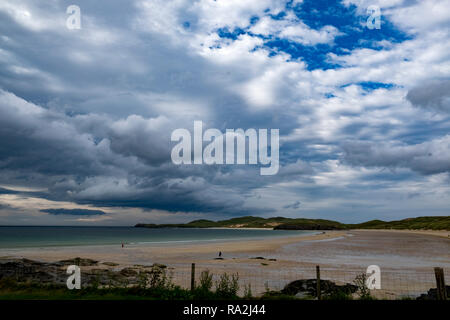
(29, 237)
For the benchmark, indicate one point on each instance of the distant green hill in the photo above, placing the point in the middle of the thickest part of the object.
(281, 223)
(424, 223)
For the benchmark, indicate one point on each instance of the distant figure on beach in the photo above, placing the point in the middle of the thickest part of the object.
(220, 254)
(122, 244)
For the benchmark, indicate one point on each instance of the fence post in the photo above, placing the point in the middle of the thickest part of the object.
(319, 293)
(440, 284)
(193, 276)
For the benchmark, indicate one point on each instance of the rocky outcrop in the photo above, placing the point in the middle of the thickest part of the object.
(309, 287)
(28, 270)
(432, 294)
(24, 270)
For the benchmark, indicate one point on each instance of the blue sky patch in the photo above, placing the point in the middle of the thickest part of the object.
(316, 15)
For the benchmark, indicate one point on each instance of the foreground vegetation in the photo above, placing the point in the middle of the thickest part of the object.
(281, 223)
(158, 286)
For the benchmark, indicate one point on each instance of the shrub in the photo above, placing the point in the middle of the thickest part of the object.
(159, 278)
(206, 280)
(338, 295)
(248, 291)
(227, 287)
(361, 282)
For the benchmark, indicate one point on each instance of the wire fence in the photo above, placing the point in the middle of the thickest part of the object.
(262, 276)
(394, 283)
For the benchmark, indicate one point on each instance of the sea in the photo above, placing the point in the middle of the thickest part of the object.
(51, 236)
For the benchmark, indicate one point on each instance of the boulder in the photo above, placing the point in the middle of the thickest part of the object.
(309, 286)
(432, 294)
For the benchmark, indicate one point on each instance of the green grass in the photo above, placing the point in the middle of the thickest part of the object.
(52, 292)
(281, 223)
(158, 287)
(254, 222)
(420, 223)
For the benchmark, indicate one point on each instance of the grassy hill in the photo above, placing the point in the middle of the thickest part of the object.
(281, 223)
(257, 222)
(424, 223)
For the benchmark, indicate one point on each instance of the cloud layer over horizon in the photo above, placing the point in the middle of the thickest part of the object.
(86, 115)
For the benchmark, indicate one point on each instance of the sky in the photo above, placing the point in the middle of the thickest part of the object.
(86, 115)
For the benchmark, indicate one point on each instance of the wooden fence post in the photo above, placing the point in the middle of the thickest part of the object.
(440, 284)
(193, 276)
(319, 293)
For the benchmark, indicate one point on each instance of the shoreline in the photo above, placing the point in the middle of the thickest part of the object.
(238, 228)
(328, 248)
(170, 249)
(170, 243)
(237, 245)
(240, 245)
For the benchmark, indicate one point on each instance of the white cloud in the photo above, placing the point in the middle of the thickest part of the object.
(293, 29)
(32, 17)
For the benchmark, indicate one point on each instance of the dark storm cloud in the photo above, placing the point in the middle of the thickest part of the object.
(434, 95)
(426, 158)
(8, 191)
(74, 212)
(91, 159)
(294, 205)
(42, 141)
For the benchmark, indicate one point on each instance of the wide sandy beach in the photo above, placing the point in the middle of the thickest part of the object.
(406, 258)
(426, 246)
